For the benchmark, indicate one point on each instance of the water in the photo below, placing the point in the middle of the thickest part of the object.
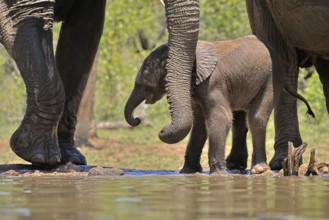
(164, 197)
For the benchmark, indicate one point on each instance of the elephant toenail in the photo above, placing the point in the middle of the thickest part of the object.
(55, 160)
(77, 160)
(38, 158)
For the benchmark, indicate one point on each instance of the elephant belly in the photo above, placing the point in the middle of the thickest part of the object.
(303, 23)
(235, 98)
(242, 101)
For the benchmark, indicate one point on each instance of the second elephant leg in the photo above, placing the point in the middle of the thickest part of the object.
(237, 159)
(285, 64)
(196, 143)
(78, 42)
(285, 115)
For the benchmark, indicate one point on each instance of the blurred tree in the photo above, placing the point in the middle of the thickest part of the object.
(222, 19)
(127, 39)
(86, 126)
(12, 105)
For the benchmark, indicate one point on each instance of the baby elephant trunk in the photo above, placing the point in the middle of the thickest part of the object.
(134, 100)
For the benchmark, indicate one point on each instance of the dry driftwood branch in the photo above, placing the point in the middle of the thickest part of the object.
(316, 168)
(142, 109)
(291, 164)
(112, 125)
(119, 124)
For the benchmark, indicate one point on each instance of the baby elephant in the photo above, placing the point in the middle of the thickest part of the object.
(232, 84)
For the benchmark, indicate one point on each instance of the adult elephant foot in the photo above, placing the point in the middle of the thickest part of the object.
(32, 144)
(260, 168)
(277, 160)
(191, 169)
(236, 163)
(70, 153)
(281, 152)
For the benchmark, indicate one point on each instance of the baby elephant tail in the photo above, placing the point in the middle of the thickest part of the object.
(295, 94)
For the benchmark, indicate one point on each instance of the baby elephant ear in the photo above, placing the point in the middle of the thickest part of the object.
(206, 60)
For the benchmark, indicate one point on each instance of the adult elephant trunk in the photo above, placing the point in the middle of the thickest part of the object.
(134, 100)
(183, 27)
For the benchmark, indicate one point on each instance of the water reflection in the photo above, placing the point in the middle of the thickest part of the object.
(164, 197)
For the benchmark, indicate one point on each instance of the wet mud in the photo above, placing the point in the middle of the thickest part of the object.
(70, 169)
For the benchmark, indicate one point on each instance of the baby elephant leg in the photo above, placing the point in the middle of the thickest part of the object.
(257, 118)
(196, 142)
(237, 159)
(218, 124)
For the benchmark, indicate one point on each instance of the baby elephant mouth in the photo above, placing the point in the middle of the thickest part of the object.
(152, 99)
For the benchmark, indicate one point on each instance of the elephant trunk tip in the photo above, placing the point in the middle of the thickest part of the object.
(133, 121)
(172, 134)
(133, 101)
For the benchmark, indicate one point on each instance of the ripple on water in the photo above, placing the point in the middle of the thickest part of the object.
(166, 197)
(10, 212)
(126, 199)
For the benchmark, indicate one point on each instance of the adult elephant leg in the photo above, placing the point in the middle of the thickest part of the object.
(77, 46)
(26, 33)
(237, 159)
(322, 67)
(196, 143)
(285, 116)
(284, 64)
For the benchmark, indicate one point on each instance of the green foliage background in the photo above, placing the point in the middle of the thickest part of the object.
(121, 54)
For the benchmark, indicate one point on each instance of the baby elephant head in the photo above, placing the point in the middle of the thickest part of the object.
(149, 83)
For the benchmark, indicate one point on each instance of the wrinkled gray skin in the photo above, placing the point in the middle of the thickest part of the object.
(233, 83)
(54, 86)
